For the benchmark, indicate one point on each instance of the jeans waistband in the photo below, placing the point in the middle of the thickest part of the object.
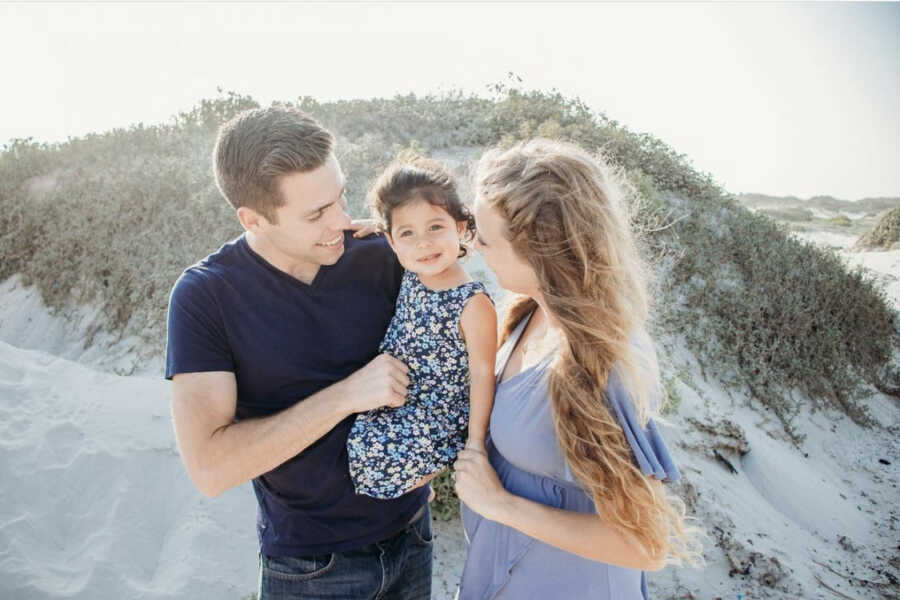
(416, 516)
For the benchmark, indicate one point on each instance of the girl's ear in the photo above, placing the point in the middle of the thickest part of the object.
(461, 228)
(390, 241)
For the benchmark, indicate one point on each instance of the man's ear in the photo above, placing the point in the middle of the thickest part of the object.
(250, 219)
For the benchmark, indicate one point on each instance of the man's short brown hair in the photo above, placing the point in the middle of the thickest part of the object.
(256, 147)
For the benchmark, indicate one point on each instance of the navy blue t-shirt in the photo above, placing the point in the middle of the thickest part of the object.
(285, 340)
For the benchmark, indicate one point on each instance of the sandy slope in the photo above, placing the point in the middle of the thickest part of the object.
(95, 502)
(787, 521)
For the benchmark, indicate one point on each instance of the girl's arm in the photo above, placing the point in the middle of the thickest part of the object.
(478, 323)
(583, 534)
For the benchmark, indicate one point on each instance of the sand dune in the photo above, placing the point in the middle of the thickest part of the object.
(95, 503)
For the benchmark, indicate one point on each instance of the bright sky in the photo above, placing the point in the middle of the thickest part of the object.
(783, 99)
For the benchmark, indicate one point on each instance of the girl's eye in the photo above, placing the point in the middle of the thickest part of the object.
(435, 227)
(406, 233)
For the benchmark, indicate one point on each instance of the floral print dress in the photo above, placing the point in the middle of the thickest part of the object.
(390, 449)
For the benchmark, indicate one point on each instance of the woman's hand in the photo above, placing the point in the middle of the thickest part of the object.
(478, 486)
(363, 227)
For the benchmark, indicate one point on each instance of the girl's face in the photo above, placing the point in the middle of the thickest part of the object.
(425, 237)
(513, 273)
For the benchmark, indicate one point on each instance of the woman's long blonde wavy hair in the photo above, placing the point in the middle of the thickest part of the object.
(566, 217)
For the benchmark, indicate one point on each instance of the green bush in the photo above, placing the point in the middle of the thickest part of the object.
(840, 221)
(789, 214)
(885, 234)
(786, 312)
(445, 505)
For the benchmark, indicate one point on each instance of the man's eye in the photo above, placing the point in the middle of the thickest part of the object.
(317, 216)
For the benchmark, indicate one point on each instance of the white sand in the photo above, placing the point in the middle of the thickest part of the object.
(782, 515)
(96, 504)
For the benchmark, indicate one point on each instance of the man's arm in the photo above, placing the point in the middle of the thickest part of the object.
(220, 454)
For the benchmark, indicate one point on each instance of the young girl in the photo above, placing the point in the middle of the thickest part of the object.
(444, 329)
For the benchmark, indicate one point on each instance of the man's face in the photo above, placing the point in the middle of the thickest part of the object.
(309, 228)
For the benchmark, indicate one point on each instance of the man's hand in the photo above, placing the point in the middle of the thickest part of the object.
(382, 382)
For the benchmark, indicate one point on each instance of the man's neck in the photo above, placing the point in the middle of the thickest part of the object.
(302, 271)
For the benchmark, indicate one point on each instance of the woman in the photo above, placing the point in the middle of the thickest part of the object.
(569, 501)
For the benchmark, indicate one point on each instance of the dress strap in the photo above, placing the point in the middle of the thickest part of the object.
(506, 351)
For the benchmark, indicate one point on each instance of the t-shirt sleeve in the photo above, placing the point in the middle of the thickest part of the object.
(195, 339)
(395, 271)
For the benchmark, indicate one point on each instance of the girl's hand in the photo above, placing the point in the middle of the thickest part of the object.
(478, 486)
(363, 227)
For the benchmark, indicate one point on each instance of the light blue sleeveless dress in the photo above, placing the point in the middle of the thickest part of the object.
(504, 564)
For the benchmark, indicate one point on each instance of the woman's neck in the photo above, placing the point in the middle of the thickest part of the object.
(543, 318)
(542, 332)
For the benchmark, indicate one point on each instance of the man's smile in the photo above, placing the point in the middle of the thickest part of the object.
(333, 242)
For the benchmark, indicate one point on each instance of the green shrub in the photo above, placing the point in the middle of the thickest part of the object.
(788, 314)
(445, 505)
(789, 214)
(840, 221)
(885, 234)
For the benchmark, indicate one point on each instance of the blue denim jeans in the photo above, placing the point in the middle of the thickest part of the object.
(398, 568)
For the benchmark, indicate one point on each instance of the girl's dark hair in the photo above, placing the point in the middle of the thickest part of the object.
(413, 177)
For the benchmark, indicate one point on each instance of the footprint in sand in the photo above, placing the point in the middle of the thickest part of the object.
(64, 441)
(10, 375)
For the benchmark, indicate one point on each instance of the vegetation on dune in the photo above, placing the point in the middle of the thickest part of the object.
(113, 218)
(884, 235)
(789, 214)
(871, 206)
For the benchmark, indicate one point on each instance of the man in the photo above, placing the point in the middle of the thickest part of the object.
(271, 349)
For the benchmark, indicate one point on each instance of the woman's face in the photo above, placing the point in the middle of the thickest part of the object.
(512, 272)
